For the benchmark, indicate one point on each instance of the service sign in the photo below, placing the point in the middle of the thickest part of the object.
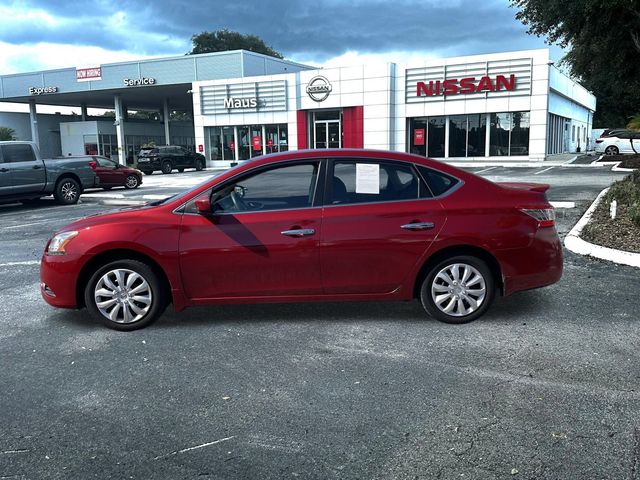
(88, 74)
(138, 82)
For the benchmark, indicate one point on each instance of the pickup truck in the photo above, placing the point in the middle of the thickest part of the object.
(26, 177)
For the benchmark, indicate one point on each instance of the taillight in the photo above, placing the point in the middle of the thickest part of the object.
(599, 140)
(546, 217)
(93, 164)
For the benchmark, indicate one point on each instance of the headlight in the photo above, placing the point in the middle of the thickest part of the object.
(58, 243)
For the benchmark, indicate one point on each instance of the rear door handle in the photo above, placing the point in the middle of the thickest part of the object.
(4, 170)
(301, 232)
(37, 167)
(418, 226)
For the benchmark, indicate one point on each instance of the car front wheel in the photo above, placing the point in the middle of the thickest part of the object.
(199, 165)
(458, 289)
(125, 295)
(167, 167)
(132, 182)
(611, 150)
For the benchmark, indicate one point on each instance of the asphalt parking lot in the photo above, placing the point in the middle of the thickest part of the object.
(545, 386)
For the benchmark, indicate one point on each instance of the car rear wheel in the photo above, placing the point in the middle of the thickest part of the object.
(166, 167)
(199, 165)
(132, 182)
(67, 191)
(611, 150)
(458, 289)
(125, 295)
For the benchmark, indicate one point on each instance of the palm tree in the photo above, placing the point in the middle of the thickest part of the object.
(7, 133)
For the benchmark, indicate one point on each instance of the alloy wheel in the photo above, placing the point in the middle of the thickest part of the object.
(132, 181)
(69, 191)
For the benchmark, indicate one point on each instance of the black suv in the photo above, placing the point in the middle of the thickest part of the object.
(167, 158)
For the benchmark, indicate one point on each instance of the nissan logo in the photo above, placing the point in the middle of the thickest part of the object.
(319, 88)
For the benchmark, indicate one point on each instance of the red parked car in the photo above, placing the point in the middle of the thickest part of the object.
(315, 225)
(112, 174)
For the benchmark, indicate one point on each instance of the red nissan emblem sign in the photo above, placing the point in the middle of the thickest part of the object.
(270, 142)
(201, 148)
(232, 145)
(257, 143)
(418, 136)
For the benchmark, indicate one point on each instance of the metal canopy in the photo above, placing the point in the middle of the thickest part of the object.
(144, 97)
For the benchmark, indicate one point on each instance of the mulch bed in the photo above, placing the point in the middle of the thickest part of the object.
(621, 233)
(628, 161)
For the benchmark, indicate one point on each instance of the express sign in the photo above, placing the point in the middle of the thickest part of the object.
(453, 86)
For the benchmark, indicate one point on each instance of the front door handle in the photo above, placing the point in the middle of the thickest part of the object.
(301, 232)
(418, 226)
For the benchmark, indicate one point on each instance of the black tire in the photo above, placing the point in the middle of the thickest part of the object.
(132, 182)
(167, 167)
(199, 165)
(147, 172)
(157, 296)
(180, 170)
(465, 293)
(67, 191)
(611, 150)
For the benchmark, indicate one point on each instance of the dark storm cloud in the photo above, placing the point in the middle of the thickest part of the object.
(318, 29)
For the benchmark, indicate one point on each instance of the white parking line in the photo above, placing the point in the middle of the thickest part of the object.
(485, 170)
(16, 264)
(542, 171)
(26, 225)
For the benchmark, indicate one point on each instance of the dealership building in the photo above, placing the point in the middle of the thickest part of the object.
(511, 106)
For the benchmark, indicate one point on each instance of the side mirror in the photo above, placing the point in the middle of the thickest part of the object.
(203, 205)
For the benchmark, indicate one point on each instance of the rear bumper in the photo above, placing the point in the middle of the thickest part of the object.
(150, 165)
(538, 265)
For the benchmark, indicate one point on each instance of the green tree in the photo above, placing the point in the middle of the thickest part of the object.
(7, 134)
(224, 40)
(603, 42)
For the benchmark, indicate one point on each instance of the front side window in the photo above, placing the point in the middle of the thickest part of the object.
(364, 182)
(20, 152)
(288, 187)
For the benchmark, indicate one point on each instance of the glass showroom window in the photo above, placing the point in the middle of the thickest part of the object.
(221, 146)
(277, 139)
(435, 136)
(476, 135)
(509, 134)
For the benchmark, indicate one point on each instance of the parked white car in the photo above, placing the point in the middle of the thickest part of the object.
(618, 144)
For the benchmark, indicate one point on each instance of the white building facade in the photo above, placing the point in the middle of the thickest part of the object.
(513, 106)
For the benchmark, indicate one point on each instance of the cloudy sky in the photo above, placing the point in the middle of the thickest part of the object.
(44, 34)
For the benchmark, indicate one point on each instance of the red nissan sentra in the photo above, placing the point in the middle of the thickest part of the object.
(314, 225)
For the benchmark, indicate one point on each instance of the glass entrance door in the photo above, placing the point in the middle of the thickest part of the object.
(327, 129)
(327, 134)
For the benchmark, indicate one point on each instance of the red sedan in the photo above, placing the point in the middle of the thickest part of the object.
(311, 226)
(113, 174)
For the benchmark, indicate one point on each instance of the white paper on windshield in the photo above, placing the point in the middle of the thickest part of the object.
(367, 178)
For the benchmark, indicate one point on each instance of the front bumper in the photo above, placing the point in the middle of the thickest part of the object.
(59, 278)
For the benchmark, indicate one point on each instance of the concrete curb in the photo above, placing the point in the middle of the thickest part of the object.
(574, 243)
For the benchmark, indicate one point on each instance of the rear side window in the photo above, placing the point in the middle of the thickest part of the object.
(18, 153)
(438, 182)
(365, 182)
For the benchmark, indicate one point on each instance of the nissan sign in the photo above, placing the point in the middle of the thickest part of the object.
(319, 88)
